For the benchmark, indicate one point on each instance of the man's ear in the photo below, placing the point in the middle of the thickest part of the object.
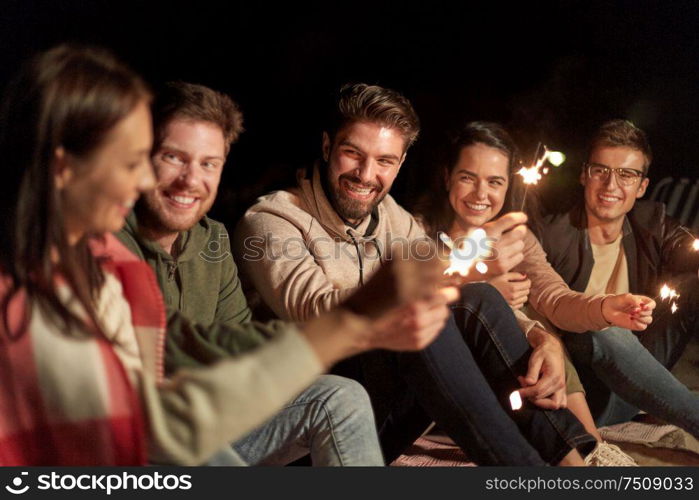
(583, 176)
(642, 187)
(61, 167)
(326, 147)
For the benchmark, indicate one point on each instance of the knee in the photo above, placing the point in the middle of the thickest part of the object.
(479, 294)
(342, 392)
(613, 342)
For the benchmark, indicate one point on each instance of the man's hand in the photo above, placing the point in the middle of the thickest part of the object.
(544, 384)
(514, 287)
(508, 232)
(633, 312)
(405, 302)
(421, 306)
(413, 326)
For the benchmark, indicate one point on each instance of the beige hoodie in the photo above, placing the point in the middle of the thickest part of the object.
(303, 259)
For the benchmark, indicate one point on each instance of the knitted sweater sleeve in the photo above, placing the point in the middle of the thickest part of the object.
(200, 411)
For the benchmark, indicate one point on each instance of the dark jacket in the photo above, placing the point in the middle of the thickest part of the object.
(656, 247)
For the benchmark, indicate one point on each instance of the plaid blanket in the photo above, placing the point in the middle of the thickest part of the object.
(69, 401)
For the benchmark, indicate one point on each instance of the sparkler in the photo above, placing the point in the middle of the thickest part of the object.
(667, 293)
(468, 252)
(695, 243)
(533, 174)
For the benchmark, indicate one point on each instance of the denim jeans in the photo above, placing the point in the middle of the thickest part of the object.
(332, 420)
(623, 371)
(463, 383)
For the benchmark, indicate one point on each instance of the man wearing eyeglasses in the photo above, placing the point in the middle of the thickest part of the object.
(612, 243)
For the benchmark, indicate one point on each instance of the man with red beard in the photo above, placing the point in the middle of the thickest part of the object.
(613, 243)
(307, 248)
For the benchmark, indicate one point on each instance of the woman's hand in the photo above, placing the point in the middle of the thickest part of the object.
(633, 312)
(508, 232)
(514, 287)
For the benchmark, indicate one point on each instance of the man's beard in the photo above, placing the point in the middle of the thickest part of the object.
(150, 217)
(347, 208)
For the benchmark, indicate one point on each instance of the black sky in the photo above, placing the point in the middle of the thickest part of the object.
(550, 71)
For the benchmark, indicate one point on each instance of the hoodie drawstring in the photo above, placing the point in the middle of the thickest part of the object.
(359, 257)
(359, 254)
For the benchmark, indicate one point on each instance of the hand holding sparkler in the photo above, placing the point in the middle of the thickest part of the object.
(508, 233)
(404, 302)
(633, 312)
(492, 250)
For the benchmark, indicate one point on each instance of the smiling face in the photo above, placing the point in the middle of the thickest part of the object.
(188, 165)
(477, 185)
(363, 161)
(98, 191)
(607, 201)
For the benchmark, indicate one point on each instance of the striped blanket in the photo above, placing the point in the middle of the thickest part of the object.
(67, 400)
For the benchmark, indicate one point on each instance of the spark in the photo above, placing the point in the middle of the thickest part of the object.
(695, 243)
(668, 293)
(556, 158)
(533, 174)
(469, 251)
(515, 400)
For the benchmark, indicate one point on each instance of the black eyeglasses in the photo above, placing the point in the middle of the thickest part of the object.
(625, 176)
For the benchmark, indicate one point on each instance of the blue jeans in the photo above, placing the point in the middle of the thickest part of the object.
(332, 420)
(463, 383)
(623, 371)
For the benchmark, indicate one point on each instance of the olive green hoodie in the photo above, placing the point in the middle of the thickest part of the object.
(202, 283)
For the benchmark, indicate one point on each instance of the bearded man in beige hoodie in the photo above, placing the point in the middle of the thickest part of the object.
(306, 249)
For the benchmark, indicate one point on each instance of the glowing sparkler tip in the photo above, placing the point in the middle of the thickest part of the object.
(530, 175)
(515, 400)
(664, 292)
(695, 244)
(467, 252)
(479, 234)
(674, 308)
(556, 158)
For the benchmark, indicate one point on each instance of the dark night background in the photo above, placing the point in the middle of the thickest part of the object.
(548, 71)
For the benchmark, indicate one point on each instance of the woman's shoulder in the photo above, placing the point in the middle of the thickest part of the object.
(111, 248)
